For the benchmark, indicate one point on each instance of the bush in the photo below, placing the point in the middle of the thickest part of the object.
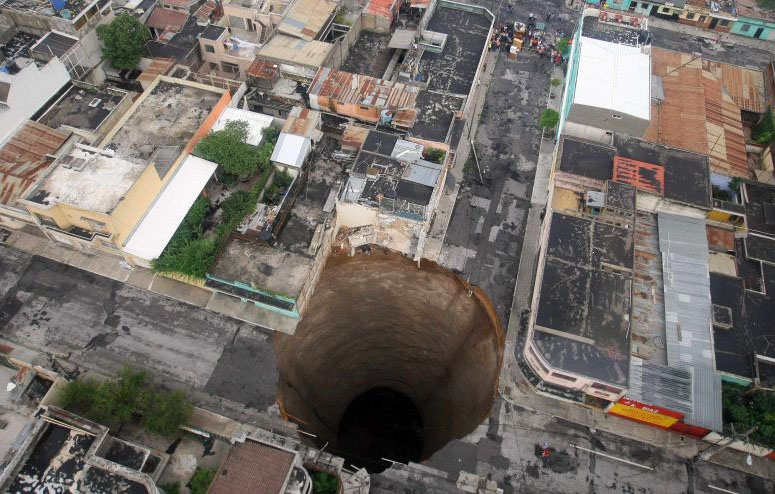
(745, 408)
(433, 154)
(129, 397)
(549, 119)
(188, 252)
(171, 488)
(555, 82)
(229, 149)
(123, 41)
(764, 131)
(201, 480)
(324, 483)
(563, 45)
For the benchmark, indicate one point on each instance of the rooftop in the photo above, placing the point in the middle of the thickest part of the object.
(253, 467)
(26, 91)
(699, 112)
(608, 32)
(70, 9)
(369, 55)
(162, 18)
(759, 203)
(82, 107)
(181, 44)
(163, 218)
(18, 45)
(167, 115)
(284, 48)
(291, 150)
(613, 73)
(257, 122)
(303, 122)
(452, 71)
(582, 321)
(435, 114)
(306, 18)
(54, 44)
(89, 179)
(751, 8)
(23, 159)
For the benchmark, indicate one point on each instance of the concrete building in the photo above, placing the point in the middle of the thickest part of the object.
(73, 17)
(260, 468)
(26, 86)
(226, 55)
(608, 88)
(754, 21)
(105, 197)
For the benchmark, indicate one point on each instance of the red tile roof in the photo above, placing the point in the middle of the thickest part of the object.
(382, 8)
(23, 159)
(639, 174)
(162, 18)
(261, 69)
(253, 468)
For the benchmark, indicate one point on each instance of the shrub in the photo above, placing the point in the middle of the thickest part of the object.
(745, 408)
(171, 488)
(555, 82)
(764, 131)
(130, 397)
(324, 483)
(229, 149)
(549, 119)
(563, 45)
(201, 480)
(433, 154)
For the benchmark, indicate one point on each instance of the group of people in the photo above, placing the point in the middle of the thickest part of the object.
(534, 38)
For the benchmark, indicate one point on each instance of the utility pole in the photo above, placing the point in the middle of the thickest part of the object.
(724, 443)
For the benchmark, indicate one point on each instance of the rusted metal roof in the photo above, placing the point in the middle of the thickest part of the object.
(420, 4)
(208, 10)
(23, 158)
(345, 87)
(158, 66)
(745, 86)
(697, 113)
(253, 467)
(354, 136)
(302, 122)
(639, 174)
(262, 69)
(382, 8)
(162, 18)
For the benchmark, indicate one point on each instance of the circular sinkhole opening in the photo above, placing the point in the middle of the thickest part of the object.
(390, 360)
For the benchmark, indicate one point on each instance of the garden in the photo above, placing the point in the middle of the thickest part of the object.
(240, 183)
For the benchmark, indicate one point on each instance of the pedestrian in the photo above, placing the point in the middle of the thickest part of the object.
(548, 16)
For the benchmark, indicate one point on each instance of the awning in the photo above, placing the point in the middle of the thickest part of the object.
(155, 230)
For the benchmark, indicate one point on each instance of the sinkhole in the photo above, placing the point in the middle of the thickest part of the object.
(390, 361)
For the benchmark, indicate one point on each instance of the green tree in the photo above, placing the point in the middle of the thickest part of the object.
(123, 39)
(764, 131)
(170, 488)
(163, 413)
(228, 148)
(563, 45)
(324, 483)
(201, 480)
(549, 119)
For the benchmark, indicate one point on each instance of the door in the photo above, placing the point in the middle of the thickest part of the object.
(758, 33)
(713, 23)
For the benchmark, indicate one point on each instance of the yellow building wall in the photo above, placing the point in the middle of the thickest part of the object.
(138, 199)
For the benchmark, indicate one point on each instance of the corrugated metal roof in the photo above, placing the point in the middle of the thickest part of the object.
(407, 150)
(353, 188)
(695, 392)
(381, 8)
(745, 86)
(291, 150)
(423, 172)
(639, 174)
(306, 18)
(346, 87)
(23, 159)
(162, 18)
(284, 48)
(689, 335)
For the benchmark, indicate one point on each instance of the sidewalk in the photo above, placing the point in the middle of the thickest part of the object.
(145, 279)
(716, 36)
(513, 386)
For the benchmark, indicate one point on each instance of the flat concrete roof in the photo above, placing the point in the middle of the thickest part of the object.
(169, 114)
(88, 178)
(82, 107)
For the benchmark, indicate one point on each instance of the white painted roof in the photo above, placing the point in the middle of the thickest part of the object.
(614, 76)
(291, 150)
(29, 90)
(155, 230)
(257, 122)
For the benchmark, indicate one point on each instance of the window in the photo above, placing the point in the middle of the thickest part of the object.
(690, 16)
(231, 68)
(616, 116)
(79, 23)
(96, 226)
(745, 28)
(606, 387)
(365, 108)
(209, 49)
(703, 18)
(724, 23)
(563, 376)
(538, 360)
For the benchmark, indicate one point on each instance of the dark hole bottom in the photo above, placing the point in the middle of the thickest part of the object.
(380, 423)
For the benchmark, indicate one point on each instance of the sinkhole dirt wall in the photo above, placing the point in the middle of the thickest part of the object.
(377, 320)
